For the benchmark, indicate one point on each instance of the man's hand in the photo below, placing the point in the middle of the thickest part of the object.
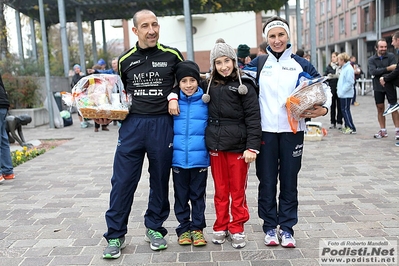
(102, 121)
(391, 67)
(382, 81)
(173, 107)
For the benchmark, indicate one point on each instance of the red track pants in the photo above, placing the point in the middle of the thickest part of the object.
(230, 172)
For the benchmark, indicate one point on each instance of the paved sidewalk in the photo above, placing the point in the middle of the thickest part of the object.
(53, 212)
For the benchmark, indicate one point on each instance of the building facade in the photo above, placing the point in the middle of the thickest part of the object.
(351, 26)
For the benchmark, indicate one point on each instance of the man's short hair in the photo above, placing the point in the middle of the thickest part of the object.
(380, 40)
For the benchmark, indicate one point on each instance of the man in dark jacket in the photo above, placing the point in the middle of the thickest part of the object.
(391, 81)
(7, 170)
(381, 64)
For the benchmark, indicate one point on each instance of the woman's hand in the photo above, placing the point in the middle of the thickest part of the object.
(317, 111)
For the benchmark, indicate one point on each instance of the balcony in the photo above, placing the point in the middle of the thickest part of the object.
(390, 21)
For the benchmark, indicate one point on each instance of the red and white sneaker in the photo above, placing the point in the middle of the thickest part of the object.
(271, 238)
(381, 134)
(287, 240)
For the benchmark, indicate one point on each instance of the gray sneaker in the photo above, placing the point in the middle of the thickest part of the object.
(113, 250)
(157, 242)
(218, 237)
(238, 240)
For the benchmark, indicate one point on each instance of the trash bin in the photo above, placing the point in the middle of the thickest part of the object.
(58, 100)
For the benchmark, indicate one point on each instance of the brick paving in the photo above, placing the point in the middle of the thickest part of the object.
(53, 212)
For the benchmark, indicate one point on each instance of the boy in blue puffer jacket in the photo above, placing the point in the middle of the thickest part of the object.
(190, 156)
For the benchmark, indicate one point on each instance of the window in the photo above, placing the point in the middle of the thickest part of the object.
(341, 26)
(331, 29)
(321, 32)
(322, 8)
(368, 25)
(338, 3)
(353, 21)
(329, 5)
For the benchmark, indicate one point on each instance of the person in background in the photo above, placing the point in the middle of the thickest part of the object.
(96, 125)
(307, 56)
(391, 81)
(345, 91)
(332, 72)
(243, 52)
(75, 79)
(99, 69)
(190, 156)
(380, 64)
(358, 72)
(102, 64)
(262, 48)
(233, 139)
(7, 169)
(300, 52)
(147, 67)
(281, 149)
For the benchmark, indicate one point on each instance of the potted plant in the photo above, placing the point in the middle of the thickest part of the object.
(23, 94)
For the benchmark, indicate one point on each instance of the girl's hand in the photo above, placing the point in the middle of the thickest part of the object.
(249, 156)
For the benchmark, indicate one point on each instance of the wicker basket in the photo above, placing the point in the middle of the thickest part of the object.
(94, 113)
(305, 98)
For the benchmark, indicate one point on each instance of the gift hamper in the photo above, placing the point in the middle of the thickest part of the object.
(307, 94)
(100, 96)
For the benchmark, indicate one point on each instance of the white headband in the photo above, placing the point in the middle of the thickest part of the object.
(275, 24)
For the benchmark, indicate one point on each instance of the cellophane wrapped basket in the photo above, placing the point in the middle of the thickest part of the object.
(307, 94)
(100, 96)
(305, 99)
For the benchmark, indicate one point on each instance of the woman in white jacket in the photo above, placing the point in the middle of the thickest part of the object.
(345, 84)
(281, 149)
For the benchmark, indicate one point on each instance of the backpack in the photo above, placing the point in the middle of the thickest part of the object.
(261, 61)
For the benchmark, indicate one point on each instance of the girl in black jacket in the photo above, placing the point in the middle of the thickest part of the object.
(233, 137)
